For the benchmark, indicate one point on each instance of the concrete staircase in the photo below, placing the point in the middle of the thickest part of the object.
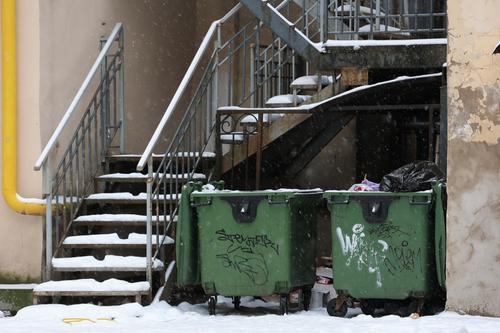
(103, 255)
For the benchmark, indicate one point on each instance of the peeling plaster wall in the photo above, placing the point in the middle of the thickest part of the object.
(473, 255)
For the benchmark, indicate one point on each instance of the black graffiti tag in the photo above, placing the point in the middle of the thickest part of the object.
(386, 230)
(243, 254)
(403, 258)
(246, 244)
(252, 265)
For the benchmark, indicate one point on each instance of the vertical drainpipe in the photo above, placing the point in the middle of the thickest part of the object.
(9, 121)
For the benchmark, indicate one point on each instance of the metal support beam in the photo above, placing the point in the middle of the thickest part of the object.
(384, 56)
(313, 147)
(284, 29)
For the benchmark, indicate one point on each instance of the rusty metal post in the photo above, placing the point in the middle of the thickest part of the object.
(258, 160)
(218, 147)
(430, 143)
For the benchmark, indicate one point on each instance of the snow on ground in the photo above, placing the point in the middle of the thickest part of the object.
(255, 316)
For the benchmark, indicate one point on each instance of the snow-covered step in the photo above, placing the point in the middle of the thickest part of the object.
(119, 219)
(133, 240)
(92, 288)
(127, 198)
(233, 138)
(137, 157)
(280, 101)
(310, 82)
(136, 177)
(110, 263)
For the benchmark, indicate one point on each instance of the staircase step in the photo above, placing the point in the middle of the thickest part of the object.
(137, 177)
(133, 240)
(111, 263)
(126, 198)
(233, 138)
(283, 101)
(91, 288)
(310, 82)
(117, 219)
(137, 157)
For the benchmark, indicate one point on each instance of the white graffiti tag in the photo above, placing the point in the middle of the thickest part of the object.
(366, 254)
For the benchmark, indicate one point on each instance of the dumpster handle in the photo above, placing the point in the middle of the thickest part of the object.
(277, 202)
(208, 203)
(422, 203)
(333, 202)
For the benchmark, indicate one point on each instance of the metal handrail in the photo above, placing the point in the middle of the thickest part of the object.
(148, 152)
(195, 132)
(49, 147)
(66, 186)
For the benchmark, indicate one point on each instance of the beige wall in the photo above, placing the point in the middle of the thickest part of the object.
(473, 256)
(159, 43)
(20, 235)
(57, 44)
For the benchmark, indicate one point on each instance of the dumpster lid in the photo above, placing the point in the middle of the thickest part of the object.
(376, 193)
(282, 191)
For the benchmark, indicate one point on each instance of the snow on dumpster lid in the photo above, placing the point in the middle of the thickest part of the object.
(375, 193)
(211, 190)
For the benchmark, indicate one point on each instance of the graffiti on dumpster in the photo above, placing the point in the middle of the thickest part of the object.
(244, 254)
(253, 265)
(246, 243)
(386, 230)
(403, 258)
(365, 253)
(373, 252)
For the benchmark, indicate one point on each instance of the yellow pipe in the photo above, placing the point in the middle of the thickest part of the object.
(9, 109)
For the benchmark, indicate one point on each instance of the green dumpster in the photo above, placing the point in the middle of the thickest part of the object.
(256, 243)
(186, 243)
(383, 247)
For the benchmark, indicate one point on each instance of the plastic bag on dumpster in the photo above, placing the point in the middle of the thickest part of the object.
(417, 176)
(365, 186)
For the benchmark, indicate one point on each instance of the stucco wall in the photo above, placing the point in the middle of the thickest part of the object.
(159, 43)
(20, 235)
(57, 44)
(473, 255)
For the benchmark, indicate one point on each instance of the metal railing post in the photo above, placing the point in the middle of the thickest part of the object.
(149, 221)
(103, 103)
(377, 19)
(322, 22)
(122, 91)
(47, 192)
(217, 66)
(252, 74)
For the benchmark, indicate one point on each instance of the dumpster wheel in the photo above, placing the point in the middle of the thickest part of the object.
(337, 307)
(284, 304)
(306, 298)
(237, 302)
(211, 305)
(367, 307)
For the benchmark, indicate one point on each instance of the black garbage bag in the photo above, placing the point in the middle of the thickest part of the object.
(417, 176)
